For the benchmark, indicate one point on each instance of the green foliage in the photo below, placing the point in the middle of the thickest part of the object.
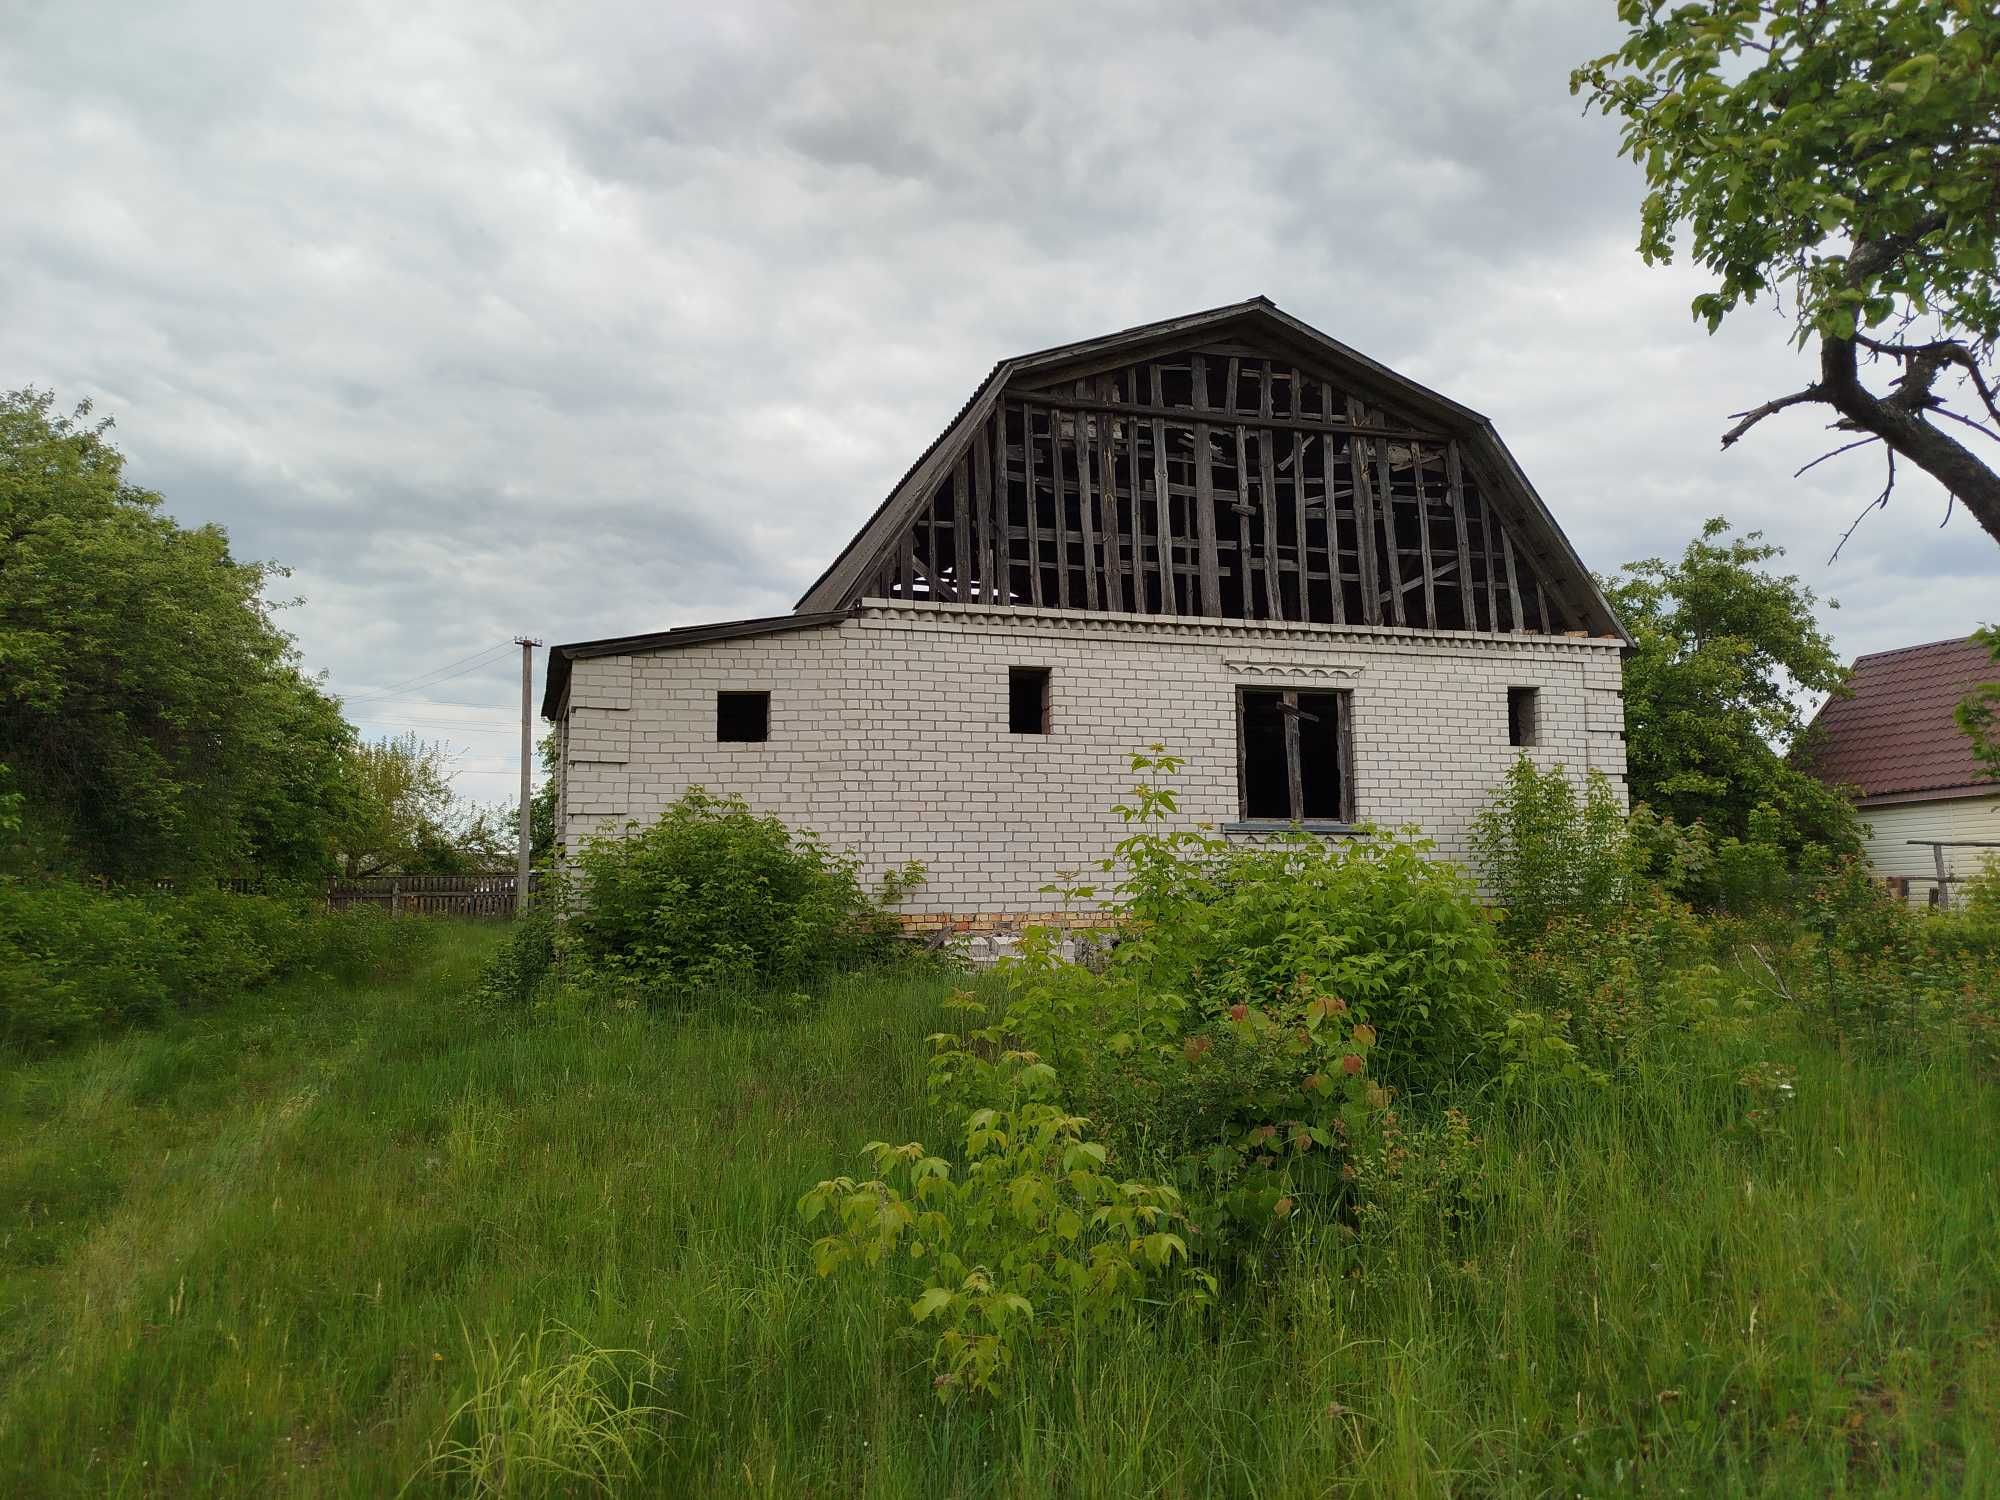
(154, 716)
(525, 960)
(1841, 150)
(1981, 896)
(1543, 852)
(408, 820)
(1373, 920)
(75, 960)
(241, 1247)
(712, 896)
(1723, 649)
(1037, 1230)
(1411, 1178)
(1239, 1045)
(541, 808)
(550, 1413)
(1979, 713)
(542, 804)
(1598, 991)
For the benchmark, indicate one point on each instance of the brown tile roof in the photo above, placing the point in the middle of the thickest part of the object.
(1896, 734)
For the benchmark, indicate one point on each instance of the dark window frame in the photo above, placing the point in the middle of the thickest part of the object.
(1524, 716)
(725, 723)
(1343, 758)
(1044, 708)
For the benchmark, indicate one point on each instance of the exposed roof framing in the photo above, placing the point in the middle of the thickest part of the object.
(1234, 463)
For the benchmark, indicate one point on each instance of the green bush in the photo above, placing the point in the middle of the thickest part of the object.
(525, 959)
(1545, 853)
(713, 896)
(75, 959)
(1232, 1058)
(1605, 985)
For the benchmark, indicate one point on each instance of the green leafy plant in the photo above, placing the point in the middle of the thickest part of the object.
(525, 960)
(1607, 985)
(1036, 1229)
(1412, 1177)
(1234, 1049)
(1978, 713)
(1544, 852)
(713, 896)
(1724, 649)
(1769, 1090)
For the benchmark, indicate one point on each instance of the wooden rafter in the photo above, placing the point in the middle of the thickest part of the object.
(1224, 482)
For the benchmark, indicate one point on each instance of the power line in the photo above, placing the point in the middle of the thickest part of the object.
(433, 703)
(436, 676)
(481, 731)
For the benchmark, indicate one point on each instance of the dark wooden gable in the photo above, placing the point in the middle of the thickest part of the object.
(1231, 469)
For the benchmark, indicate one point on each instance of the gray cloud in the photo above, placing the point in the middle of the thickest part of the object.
(589, 319)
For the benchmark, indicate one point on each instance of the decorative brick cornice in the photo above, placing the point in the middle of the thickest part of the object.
(1203, 629)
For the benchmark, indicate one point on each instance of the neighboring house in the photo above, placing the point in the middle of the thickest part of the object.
(1328, 588)
(1894, 743)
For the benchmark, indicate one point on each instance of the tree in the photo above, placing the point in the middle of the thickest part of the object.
(409, 821)
(1723, 650)
(541, 808)
(1846, 152)
(1979, 714)
(154, 716)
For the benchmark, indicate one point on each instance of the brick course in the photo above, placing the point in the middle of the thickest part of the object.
(888, 733)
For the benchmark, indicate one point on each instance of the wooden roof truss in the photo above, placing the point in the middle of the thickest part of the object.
(1221, 477)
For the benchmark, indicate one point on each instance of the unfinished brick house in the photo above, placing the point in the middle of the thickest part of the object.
(1329, 588)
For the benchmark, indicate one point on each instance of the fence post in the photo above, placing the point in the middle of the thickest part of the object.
(395, 897)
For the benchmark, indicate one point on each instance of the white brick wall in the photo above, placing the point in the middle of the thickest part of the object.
(889, 731)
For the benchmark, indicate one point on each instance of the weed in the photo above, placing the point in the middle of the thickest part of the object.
(550, 1412)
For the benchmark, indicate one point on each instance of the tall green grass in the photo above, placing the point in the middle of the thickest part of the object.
(284, 1248)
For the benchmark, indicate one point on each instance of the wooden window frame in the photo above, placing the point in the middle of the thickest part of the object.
(1343, 751)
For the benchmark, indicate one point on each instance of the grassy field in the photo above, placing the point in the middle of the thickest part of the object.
(272, 1250)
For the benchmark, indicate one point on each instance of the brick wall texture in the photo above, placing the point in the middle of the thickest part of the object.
(888, 732)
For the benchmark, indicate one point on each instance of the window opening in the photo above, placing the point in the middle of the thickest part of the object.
(1523, 709)
(743, 717)
(1028, 700)
(1293, 756)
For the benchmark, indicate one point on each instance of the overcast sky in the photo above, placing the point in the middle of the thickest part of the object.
(586, 319)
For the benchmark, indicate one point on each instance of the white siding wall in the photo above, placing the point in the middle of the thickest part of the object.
(889, 731)
(1892, 827)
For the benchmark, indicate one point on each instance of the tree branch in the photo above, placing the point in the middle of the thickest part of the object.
(1757, 414)
(1905, 432)
(1879, 502)
(1843, 448)
(1975, 426)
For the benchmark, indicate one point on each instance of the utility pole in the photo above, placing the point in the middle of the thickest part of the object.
(527, 645)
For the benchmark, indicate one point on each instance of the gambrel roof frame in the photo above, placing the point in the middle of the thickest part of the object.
(1047, 396)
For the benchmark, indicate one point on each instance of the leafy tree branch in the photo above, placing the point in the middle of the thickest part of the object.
(1847, 153)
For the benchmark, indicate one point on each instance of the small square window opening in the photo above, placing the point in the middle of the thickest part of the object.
(743, 718)
(1523, 710)
(1028, 700)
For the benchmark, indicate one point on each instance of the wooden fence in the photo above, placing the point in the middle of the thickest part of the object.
(486, 895)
